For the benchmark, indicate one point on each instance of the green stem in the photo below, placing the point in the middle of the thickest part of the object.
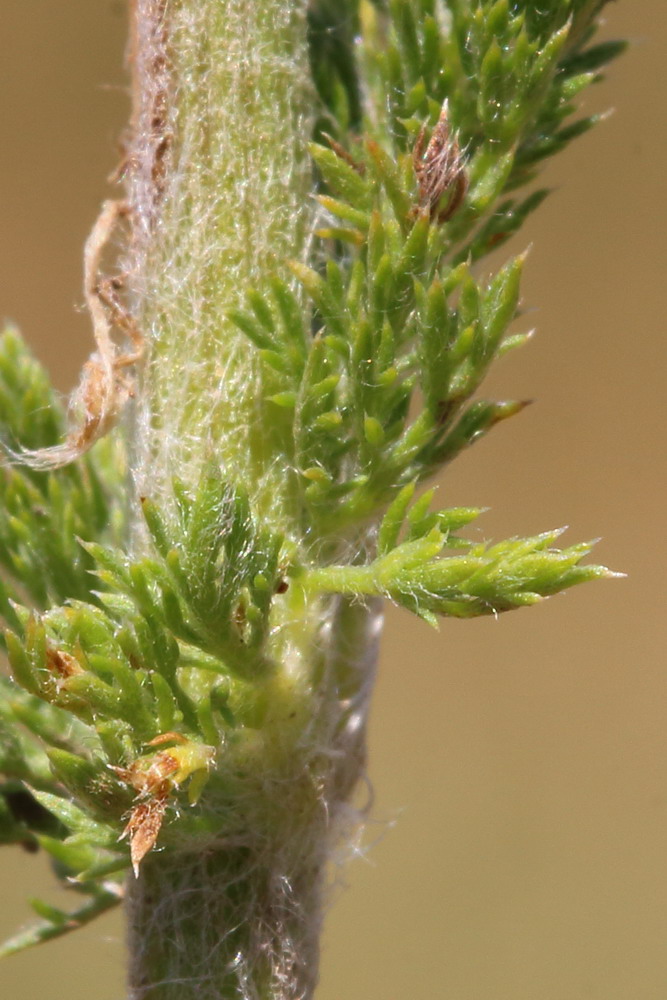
(219, 191)
(351, 580)
(219, 188)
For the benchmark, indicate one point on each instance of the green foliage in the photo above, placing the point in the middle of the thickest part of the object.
(432, 116)
(166, 652)
(42, 516)
(163, 651)
(37, 811)
(390, 326)
(485, 580)
(210, 580)
(57, 922)
(405, 330)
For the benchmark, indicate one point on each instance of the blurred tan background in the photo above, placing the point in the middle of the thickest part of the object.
(519, 832)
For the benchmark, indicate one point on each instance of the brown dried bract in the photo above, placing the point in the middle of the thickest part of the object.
(61, 667)
(169, 737)
(145, 823)
(146, 777)
(154, 778)
(440, 171)
(104, 388)
(61, 663)
(153, 786)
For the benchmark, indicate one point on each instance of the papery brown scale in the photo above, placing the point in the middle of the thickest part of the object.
(439, 170)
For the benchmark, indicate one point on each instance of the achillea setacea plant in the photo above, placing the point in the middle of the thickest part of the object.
(194, 556)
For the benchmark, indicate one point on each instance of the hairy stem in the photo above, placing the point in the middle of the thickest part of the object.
(219, 195)
(195, 919)
(219, 183)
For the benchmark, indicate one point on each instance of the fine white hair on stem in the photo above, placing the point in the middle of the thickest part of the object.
(219, 184)
(218, 178)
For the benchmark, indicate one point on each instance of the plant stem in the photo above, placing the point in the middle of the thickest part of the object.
(219, 183)
(195, 919)
(219, 194)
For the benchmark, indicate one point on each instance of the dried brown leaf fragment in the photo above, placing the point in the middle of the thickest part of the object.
(440, 170)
